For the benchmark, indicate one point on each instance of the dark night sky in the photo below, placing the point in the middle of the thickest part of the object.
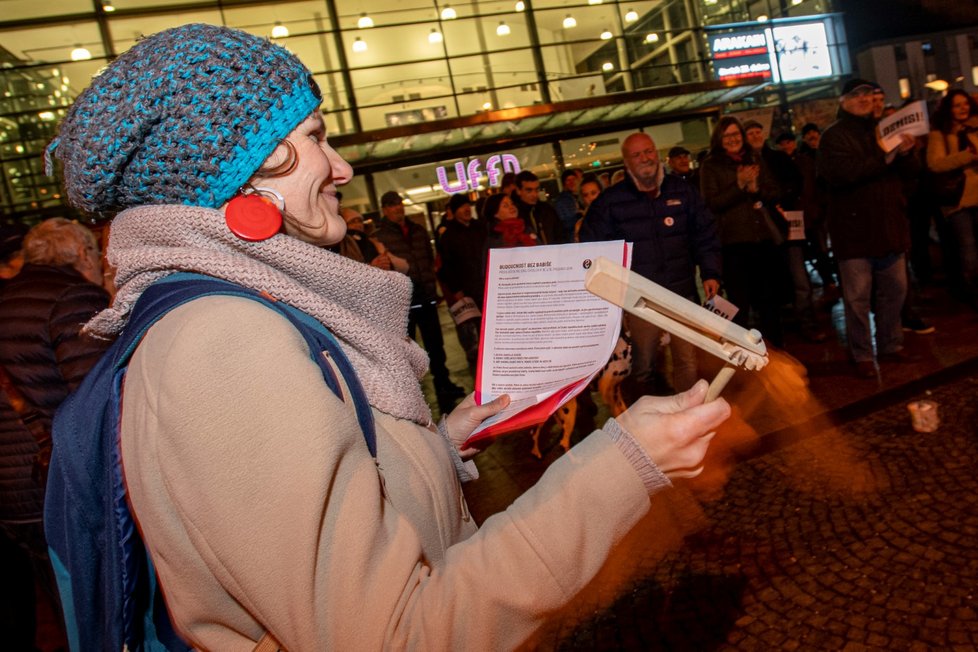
(874, 20)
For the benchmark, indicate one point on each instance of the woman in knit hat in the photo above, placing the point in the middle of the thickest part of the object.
(261, 505)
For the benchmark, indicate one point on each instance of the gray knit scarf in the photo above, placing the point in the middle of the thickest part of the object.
(364, 307)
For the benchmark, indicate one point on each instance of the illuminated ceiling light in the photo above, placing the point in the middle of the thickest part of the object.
(47, 116)
(520, 6)
(279, 30)
(503, 29)
(594, 2)
(487, 106)
(107, 6)
(448, 13)
(607, 65)
(435, 36)
(796, 2)
(605, 35)
(80, 54)
(762, 18)
(365, 21)
(938, 85)
(631, 16)
(569, 22)
(651, 37)
(359, 45)
(709, 2)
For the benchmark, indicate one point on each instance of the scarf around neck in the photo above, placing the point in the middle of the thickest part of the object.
(514, 233)
(364, 307)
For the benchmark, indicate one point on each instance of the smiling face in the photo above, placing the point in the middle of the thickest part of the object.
(755, 138)
(679, 163)
(507, 210)
(733, 140)
(960, 108)
(312, 210)
(641, 159)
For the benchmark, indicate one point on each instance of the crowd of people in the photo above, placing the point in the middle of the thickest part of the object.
(274, 505)
(763, 220)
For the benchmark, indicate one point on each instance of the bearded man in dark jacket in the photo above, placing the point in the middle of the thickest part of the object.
(672, 232)
(868, 225)
(45, 355)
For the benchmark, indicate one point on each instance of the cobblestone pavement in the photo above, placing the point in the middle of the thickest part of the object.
(857, 538)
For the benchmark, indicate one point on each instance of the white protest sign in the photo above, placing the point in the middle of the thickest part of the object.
(720, 306)
(911, 120)
(796, 224)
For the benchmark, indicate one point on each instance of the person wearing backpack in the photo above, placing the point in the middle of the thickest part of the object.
(271, 506)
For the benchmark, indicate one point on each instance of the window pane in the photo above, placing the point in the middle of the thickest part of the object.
(308, 17)
(52, 43)
(21, 9)
(410, 11)
(392, 45)
(591, 20)
(339, 122)
(316, 51)
(335, 96)
(503, 79)
(126, 31)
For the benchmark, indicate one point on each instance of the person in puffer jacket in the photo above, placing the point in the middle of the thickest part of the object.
(42, 311)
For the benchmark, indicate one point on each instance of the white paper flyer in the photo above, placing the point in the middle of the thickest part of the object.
(544, 336)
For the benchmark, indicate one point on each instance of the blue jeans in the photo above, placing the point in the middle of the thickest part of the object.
(802, 284)
(963, 224)
(646, 352)
(859, 275)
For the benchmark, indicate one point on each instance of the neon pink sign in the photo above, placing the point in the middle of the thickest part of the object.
(467, 178)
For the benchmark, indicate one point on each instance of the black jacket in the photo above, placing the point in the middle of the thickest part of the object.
(415, 247)
(866, 207)
(671, 234)
(42, 311)
(542, 219)
(736, 209)
(461, 248)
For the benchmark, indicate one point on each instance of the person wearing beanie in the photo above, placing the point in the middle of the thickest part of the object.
(265, 513)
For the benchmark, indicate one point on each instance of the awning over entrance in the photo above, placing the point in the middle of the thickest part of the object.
(384, 149)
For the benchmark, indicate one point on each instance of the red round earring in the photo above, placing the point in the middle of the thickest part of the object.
(252, 217)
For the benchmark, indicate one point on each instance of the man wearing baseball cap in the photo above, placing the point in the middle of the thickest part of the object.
(868, 225)
(681, 166)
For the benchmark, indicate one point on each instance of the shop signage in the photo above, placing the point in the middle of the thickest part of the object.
(467, 177)
(781, 50)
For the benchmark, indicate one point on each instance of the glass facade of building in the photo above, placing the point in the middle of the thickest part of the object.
(399, 64)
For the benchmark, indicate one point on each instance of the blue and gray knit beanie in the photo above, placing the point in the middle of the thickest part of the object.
(185, 116)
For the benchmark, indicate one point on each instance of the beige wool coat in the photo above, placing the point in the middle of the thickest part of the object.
(944, 155)
(263, 510)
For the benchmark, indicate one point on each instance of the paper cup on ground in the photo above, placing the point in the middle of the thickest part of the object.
(923, 416)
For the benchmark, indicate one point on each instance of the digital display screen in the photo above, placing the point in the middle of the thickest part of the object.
(790, 52)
